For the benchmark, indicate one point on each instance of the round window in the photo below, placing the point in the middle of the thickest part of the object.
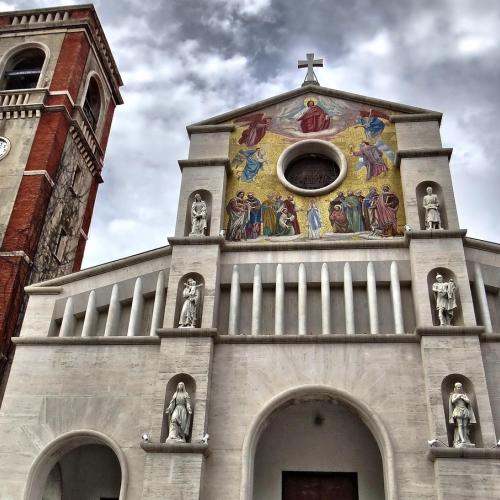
(312, 167)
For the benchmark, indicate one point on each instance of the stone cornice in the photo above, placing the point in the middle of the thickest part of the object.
(206, 162)
(175, 447)
(319, 339)
(43, 290)
(488, 246)
(448, 331)
(474, 453)
(421, 153)
(85, 341)
(108, 266)
(209, 129)
(424, 234)
(195, 240)
(417, 117)
(166, 333)
(384, 243)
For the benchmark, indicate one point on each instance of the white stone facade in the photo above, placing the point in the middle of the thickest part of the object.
(320, 331)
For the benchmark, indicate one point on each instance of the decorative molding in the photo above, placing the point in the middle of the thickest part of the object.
(487, 246)
(73, 341)
(84, 235)
(206, 162)
(17, 253)
(319, 339)
(417, 117)
(474, 453)
(196, 240)
(41, 172)
(209, 129)
(448, 331)
(108, 267)
(64, 93)
(424, 234)
(385, 243)
(43, 290)
(174, 447)
(173, 333)
(421, 153)
(490, 337)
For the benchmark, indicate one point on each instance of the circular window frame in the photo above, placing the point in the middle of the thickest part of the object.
(8, 143)
(311, 146)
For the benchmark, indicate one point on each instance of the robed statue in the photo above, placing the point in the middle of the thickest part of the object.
(179, 413)
(198, 216)
(431, 206)
(461, 415)
(190, 308)
(445, 296)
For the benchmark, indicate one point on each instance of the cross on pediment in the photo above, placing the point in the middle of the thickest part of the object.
(310, 63)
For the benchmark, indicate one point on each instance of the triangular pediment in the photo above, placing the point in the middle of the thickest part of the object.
(392, 107)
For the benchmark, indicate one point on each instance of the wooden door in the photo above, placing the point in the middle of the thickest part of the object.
(319, 485)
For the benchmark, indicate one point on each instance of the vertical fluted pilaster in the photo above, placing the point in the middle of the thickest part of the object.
(234, 302)
(397, 305)
(68, 321)
(325, 300)
(257, 301)
(350, 326)
(371, 290)
(279, 302)
(302, 302)
(90, 320)
(114, 313)
(136, 311)
(159, 304)
(484, 310)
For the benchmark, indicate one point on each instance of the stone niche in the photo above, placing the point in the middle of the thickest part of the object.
(447, 386)
(458, 319)
(206, 196)
(190, 385)
(180, 299)
(421, 191)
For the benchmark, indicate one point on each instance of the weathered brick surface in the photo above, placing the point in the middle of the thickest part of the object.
(71, 64)
(107, 126)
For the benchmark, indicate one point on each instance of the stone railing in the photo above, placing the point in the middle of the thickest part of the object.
(21, 104)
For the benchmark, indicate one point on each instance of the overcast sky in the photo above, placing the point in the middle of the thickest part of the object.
(186, 60)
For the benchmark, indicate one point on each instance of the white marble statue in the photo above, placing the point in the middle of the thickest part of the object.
(461, 414)
(432, 215)
(445, 295)
(198, 216)
(179, 413)
(192, 299)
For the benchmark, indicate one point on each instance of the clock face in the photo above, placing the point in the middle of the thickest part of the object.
(4, 147)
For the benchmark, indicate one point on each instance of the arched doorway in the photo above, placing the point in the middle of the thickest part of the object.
(77, 466)
(321, 438)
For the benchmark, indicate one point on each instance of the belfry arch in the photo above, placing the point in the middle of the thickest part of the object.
(308, 394)
(63, 445)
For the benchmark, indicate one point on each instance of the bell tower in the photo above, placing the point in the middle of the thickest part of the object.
(59, 86)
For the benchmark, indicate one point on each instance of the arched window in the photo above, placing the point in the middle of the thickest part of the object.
(23, 70)
(92, 103)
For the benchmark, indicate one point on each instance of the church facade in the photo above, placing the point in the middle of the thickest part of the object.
(319, 326)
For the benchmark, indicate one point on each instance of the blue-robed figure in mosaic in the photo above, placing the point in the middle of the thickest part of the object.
(253, 159)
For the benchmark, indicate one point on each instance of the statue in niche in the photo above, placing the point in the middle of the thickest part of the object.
(179, 413)
(445, 295)
(198, 216)
(461, 415)
(431, 205)
(192, 299)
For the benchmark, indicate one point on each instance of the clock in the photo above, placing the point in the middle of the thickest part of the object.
(4, 147)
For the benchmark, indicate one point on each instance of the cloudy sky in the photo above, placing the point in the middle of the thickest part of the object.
(186, 60)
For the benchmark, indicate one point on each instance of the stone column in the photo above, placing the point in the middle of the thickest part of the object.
(484, 309)
(257, 301)
(136, 311)
(350, 327)
(279, 303)
(234, 302)
(68, 321)
(325, 300)
(91, 314)
(302, 300)
(114, 312)
(397, 305)
(159, 304)
(371, 289)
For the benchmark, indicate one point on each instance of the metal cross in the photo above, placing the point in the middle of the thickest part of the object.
(310, 63)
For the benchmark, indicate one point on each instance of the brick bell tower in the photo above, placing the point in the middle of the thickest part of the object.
(59, 86)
